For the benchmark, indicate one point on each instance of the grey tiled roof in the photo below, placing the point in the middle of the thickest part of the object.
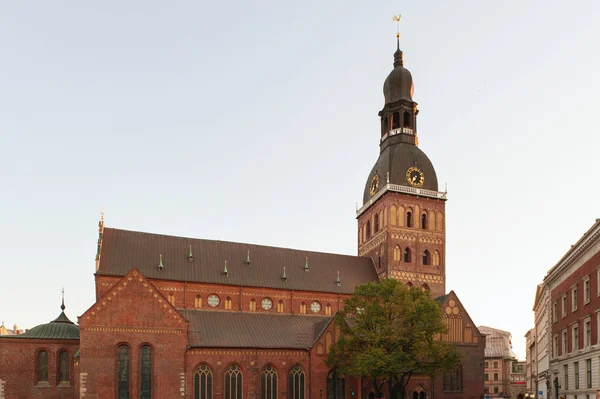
(214, 329)
(123, 250)
(497, 343)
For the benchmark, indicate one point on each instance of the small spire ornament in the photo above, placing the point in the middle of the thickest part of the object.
(225, 272)
(337, 280)
(284, 277)
(190, 255)
(306, 265)
(248, 258)
(160, 264)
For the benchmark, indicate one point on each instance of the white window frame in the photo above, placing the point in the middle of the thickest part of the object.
(587, 290)
(575, 337)
(574, 298)
(565, 341)
(555, 312)
(563, 305)
(587, 339)
(555, 345)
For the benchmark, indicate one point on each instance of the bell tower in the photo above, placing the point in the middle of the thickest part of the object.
(401, 224)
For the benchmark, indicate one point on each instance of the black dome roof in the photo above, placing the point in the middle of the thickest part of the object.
(59, 328)
(396, 160)
(399, 84)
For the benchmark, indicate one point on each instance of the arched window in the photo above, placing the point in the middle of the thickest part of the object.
(145, 372)
(397, 252)
(203, 382)
(123, 372)
(453, 380)
(252, 304)
(328, 341)
(395, 120)
(336, 386)
(393, 215)
(439, 224)
(172, 298)
(42, 367)
(198, 301)
(228, 303)
(63, 367)
(407, 255)
(425, 287)
(368, 227)
(280, 307)
(376, 222)
(422, 395)
(328, 309)
(424, 221)
(415, 395)
(268, 383)
(385, 126)
(406, 121)
(436, 258)
(409, 219)
(319, 349)
(409, 284)
(233, 382)
(426, 258)
(303, 308)
(296, 383)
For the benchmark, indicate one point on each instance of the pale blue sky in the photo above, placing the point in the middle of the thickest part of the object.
(257, 122)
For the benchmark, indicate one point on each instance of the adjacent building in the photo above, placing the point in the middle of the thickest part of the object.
(518, 380)
(530, 363)
(573, 285)
(193, 318)
(499, 357)
(541, 351)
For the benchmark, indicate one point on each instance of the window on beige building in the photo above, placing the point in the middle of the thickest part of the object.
(495, 376)
(576, 367)
(495, 365)
(566, 376)
(588, 373)
(496, 389)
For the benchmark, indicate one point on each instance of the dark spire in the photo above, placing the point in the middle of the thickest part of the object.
(398, 59)
(62, 306)
(62, 317)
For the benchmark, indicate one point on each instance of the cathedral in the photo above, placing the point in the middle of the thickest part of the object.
(179, 317)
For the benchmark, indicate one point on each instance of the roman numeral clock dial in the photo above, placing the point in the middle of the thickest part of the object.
(415, 177)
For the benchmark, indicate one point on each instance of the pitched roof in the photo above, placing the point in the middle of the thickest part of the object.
(497, 343)
(213, 329)
(122, 250)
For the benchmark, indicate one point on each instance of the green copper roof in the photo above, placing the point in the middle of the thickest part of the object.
(59, 328)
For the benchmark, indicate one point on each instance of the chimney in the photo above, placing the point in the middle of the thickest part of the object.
(15, 328)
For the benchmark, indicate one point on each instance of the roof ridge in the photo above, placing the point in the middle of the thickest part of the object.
(232, 242)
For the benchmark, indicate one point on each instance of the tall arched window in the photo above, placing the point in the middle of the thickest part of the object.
(397, 252)
(233, 382)
(268, 383)
(453, 380)
(280, 307)
(328, 309)
(328, 341)
(302, 308)
(395, 120)
(376, 222)
(406, 121)
(409, 219)
(203, 379)
(145, 372)
(336, 386)
(424, 221)
(425, 287)
(42, 367)
(368, 227)
(198, 301)
(426, 258)
(296, 383)
(123, 372)
(252, 304)
(228, 303)
(172, 298)
(407, 255)
(63, 367)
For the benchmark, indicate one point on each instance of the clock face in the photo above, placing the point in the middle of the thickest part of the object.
(374, 187)
(415, 177)
(266, 304)
(213, 300)
(315, 307)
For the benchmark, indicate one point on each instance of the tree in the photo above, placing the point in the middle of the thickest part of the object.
(391, 332)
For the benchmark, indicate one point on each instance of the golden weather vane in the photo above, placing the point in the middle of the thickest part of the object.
(397, 19)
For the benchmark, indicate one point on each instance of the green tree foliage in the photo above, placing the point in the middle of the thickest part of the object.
(391, 332)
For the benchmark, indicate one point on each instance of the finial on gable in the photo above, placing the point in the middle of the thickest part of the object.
(190, 255)
(100, 234)
(248, 258)
(225, 272)
(284, 277)
(337, 280)
(160, 264)
(62, 306)
(306, 265)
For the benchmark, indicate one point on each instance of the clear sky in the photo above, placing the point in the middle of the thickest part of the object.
(257, 122)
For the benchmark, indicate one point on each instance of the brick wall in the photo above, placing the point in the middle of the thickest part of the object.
(18, 371)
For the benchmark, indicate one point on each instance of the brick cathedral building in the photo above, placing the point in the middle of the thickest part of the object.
(178, 317)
